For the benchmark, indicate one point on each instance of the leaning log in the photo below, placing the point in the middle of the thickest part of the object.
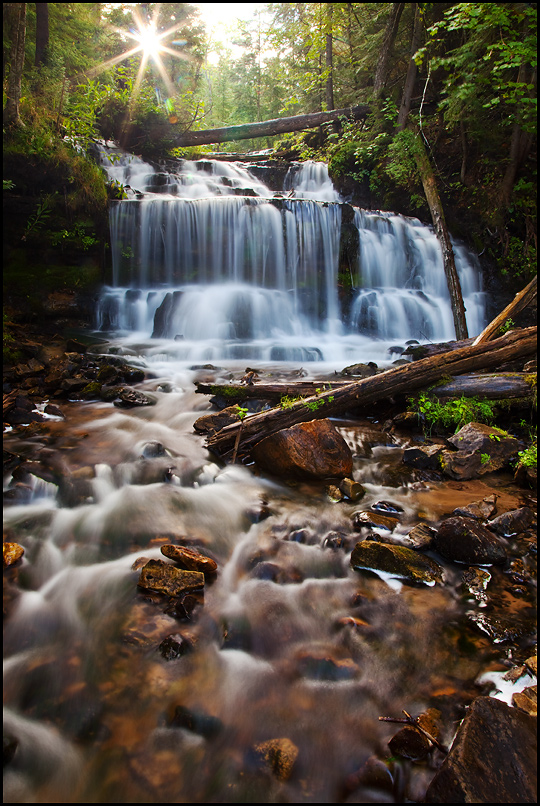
(488, 386)
(520, 301)
(401, 380)
(268, 128)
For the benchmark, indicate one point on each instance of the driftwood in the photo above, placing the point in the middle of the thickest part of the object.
(267, 128)
(403, 379)
(520, 301)
(493, 386)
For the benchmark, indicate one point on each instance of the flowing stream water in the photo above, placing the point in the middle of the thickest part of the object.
(288, 645)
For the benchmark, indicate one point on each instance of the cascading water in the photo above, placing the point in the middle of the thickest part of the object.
(204, 254)
(269, 686)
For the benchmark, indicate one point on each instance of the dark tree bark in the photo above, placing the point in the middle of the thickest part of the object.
(42, 33)
(520, 144)
(267, 128)
(401, 380)
(437, 214)
(11, 110)
(390, 33)
(412, 70)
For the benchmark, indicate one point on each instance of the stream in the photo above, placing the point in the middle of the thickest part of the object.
(265, 685)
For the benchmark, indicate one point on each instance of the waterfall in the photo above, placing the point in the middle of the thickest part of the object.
(208, 257)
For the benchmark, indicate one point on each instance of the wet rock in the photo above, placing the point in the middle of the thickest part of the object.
(12, 552)
(397, 560)
(527, 700)
(197, 722)
(174, 646)
(351, 489)
(408, 420)
(279, 756)
(421, 537)
(480, 510)
(374, 774)
(334, 493)
(335, 541)
(275, 573)
(53, 410)
(424, 457)
(501, 629)
(321, 665)
(130, 397)
(313, 449)
(152, 449)
(189, 559)
(374, 520)
(465, 540)
(413, 744)
(481, 449)
(361, 370)
(513, 522)
(474, 582)
(157, 575)
(493, 758)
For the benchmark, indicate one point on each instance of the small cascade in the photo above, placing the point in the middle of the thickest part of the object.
(206, 256)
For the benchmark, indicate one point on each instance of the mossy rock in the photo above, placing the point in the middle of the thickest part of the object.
(399, 561)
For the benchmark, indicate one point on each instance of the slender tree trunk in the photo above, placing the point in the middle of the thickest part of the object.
(437, 214)
(386, 49)
(42, 33)
(329, 58)
(11, 110)
(520, 145)
(412, 71)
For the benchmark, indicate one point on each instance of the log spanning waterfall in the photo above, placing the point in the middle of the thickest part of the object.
(206, 255)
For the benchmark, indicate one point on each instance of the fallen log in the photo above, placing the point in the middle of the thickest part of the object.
(488, 386)
(520, 301)
(268, 128)
(400, 380)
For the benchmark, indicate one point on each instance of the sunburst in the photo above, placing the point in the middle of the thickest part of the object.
(150, 44)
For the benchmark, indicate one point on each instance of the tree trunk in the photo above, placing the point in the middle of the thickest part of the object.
(492, 386)
(401, 380)
(11, 110)
(268, 128)
(412, 70)
(520, 301)
(386, 49)
(435, 207)
(329, 58)
(42, 33)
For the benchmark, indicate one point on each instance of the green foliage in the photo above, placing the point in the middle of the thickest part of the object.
(454, 413)
(241, 412)
(39, 218)
(504, 328)
(287, 402)
(529, 457)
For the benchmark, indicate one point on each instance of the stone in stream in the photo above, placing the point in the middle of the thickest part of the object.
(374, 520)
(421, 537)
(481, 449)
(466, 540)
(493, 758)
(425, 457)
(174, 646)
(412, 743)
(279, 755)
(12, 553)
(157, 575)
(513, 522)
(310, 450)
(189, 559)
(480, 510)
(396, 560)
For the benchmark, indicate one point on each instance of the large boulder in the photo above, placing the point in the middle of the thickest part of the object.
(480, 449)
(466, 540)
(493, 758)
(312, 450)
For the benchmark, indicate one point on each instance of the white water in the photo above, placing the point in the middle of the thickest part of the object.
(217, 266)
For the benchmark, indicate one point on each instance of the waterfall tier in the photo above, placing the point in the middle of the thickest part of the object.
(205, 254)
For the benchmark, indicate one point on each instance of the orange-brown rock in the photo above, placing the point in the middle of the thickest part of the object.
(189, 559)
(12, 552)
(311, 450)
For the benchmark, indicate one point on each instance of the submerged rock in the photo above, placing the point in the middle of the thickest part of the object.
(493, 758)
(513, 522)
(312, 450)
(279, 755)
(465, 540)
(396, 560)
(157, 575)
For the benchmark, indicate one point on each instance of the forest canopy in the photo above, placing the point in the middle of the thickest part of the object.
(460, 75)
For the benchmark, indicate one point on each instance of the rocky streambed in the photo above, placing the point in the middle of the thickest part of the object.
(177, 629)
